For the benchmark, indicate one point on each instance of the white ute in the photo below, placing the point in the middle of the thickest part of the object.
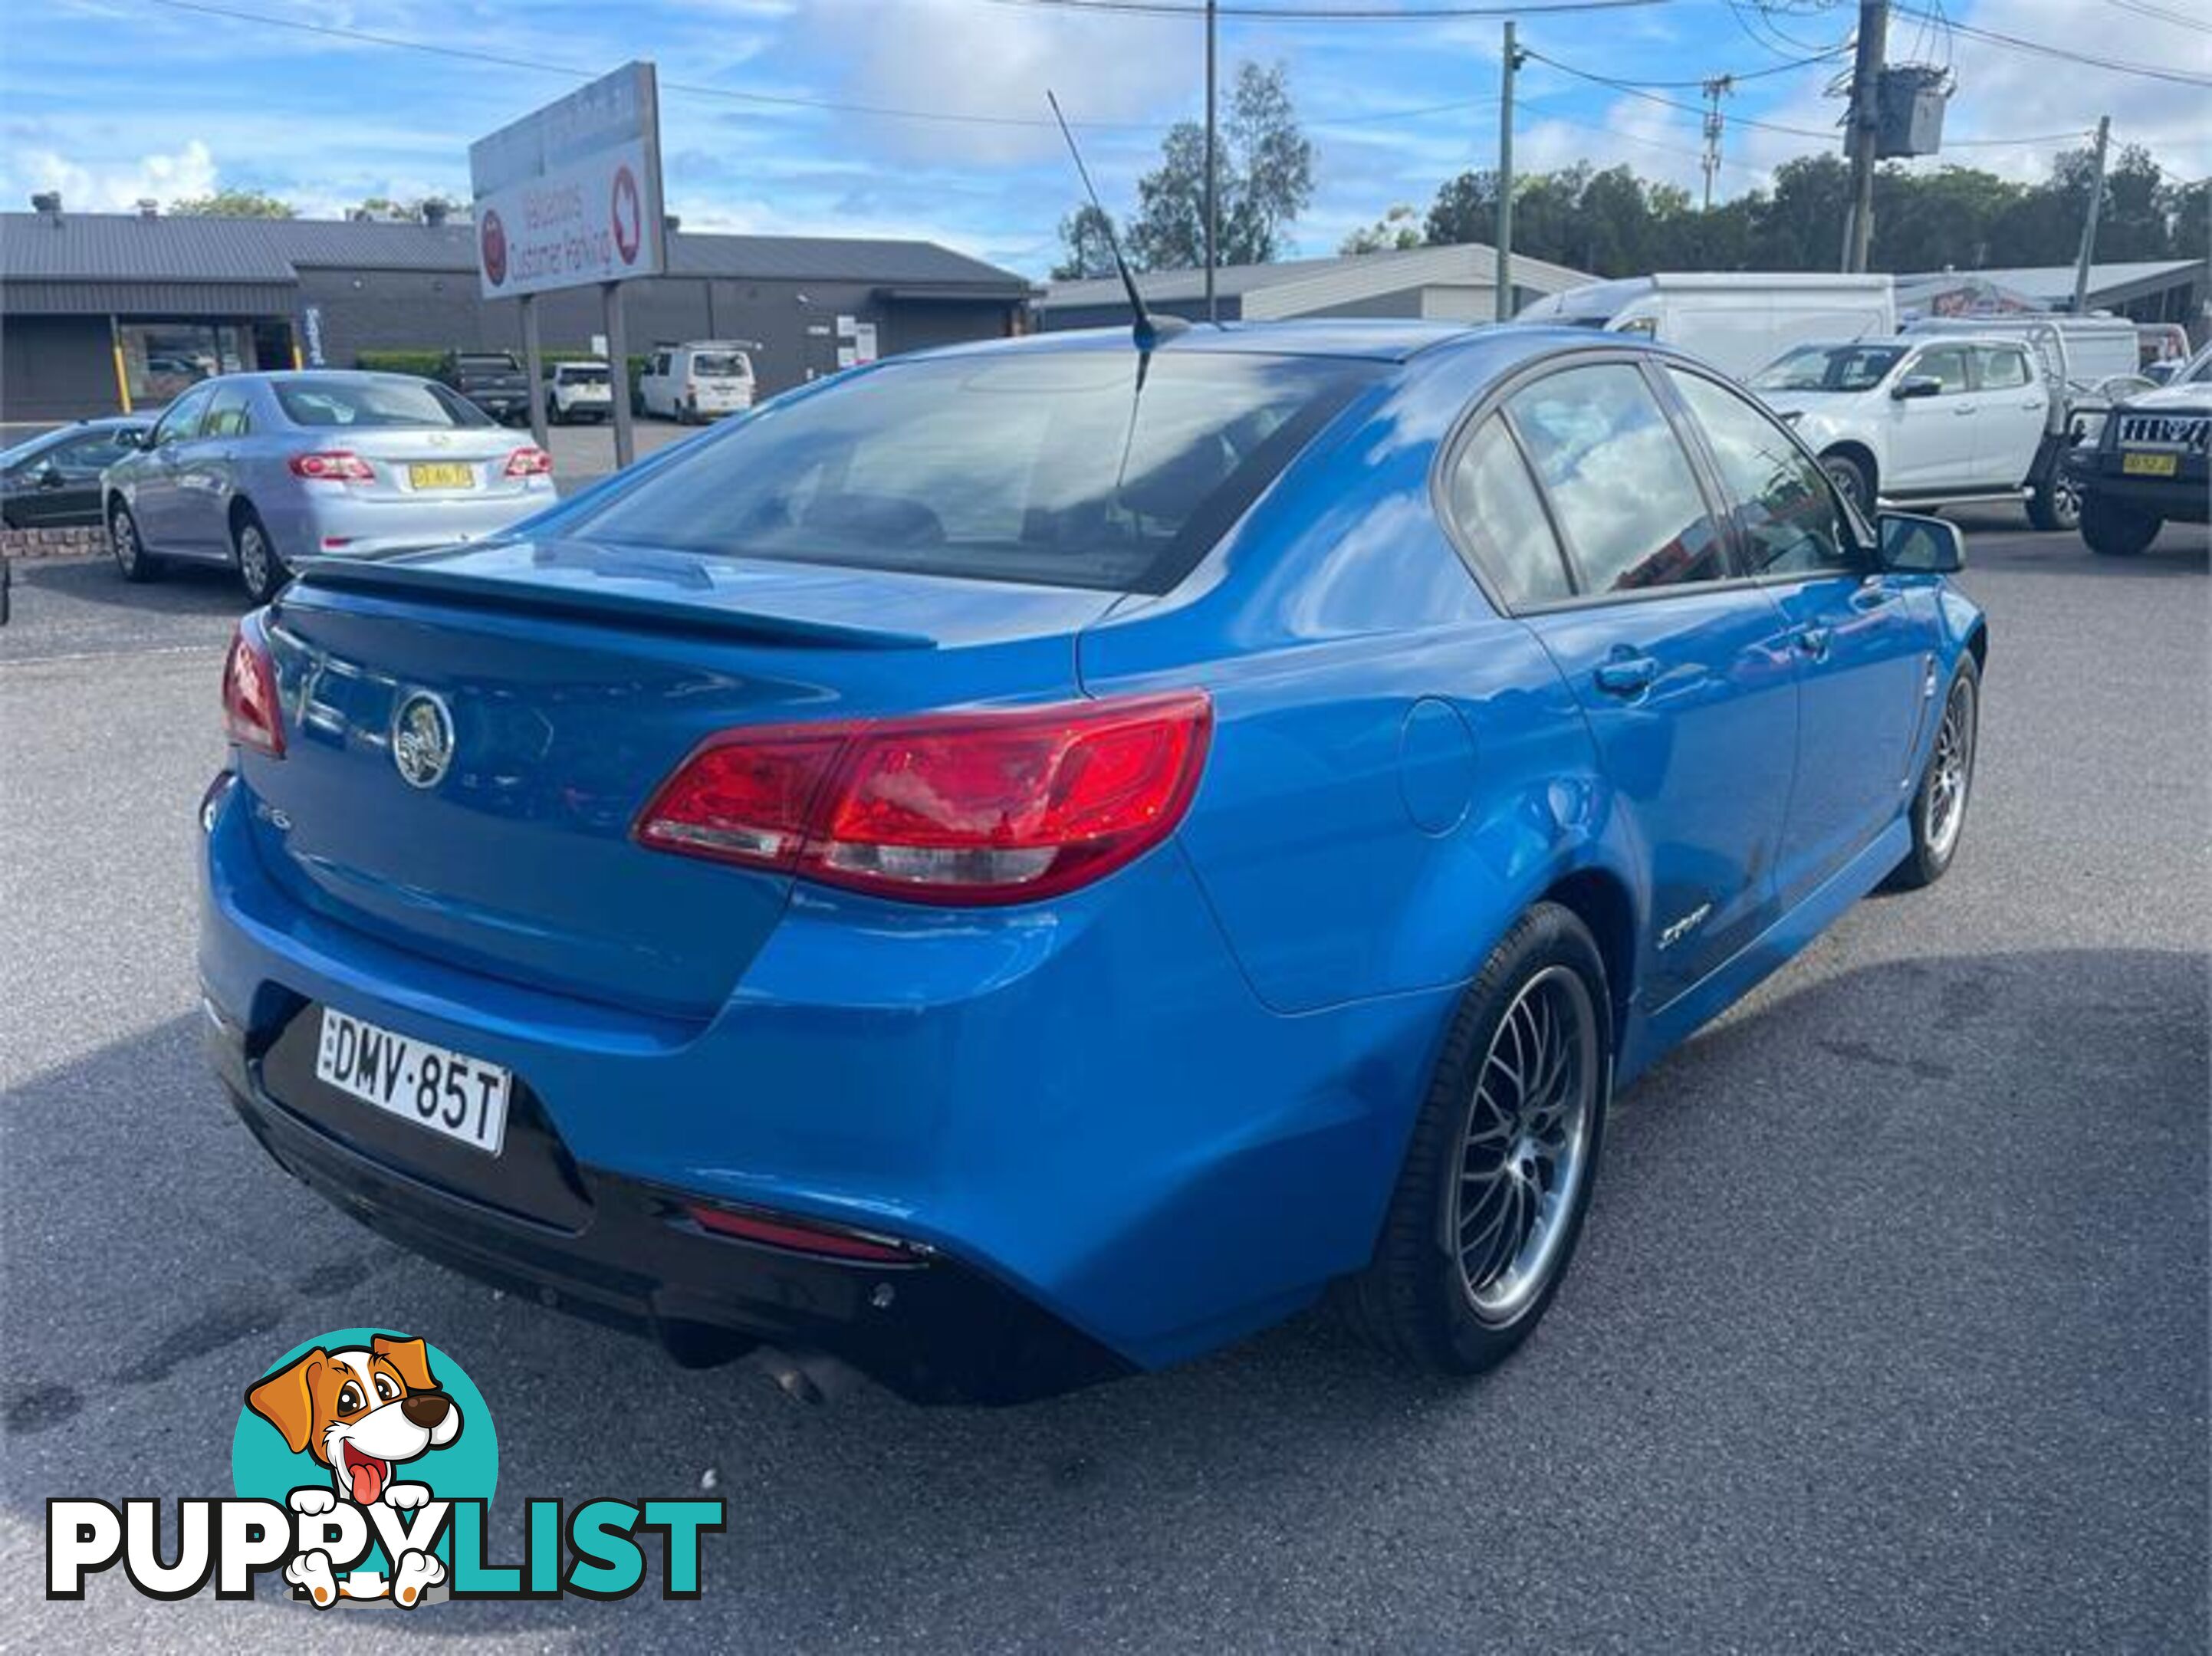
(1923, 421)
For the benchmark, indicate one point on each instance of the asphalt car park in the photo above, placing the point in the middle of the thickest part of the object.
(1889, 1329)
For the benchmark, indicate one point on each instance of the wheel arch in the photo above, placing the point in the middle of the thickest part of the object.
(1859, 454)
(1601, 900)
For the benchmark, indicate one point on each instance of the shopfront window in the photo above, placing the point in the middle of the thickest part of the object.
(163, 360)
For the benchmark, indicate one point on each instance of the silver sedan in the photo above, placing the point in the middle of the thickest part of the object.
(259, 470)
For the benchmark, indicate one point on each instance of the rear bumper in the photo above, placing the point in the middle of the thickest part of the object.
(343, 526)
(1115, 1156)
(630, 1256)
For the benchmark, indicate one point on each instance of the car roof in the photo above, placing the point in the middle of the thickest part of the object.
(1372, 339)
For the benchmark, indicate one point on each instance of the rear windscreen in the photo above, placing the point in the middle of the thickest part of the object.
(584, 376)
(721, 366)
(363, 402)
(1052, 469)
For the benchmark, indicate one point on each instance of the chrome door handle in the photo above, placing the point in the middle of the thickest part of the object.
(1626, 675)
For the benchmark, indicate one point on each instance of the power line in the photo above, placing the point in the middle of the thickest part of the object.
(2162, 14)
(1330, 14)
(2064, 54)
(1634, 90)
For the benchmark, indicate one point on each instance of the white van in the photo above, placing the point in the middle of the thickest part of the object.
(698, 381)
(1737, 320)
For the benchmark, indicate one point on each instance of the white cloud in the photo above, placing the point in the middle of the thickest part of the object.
(114, 187)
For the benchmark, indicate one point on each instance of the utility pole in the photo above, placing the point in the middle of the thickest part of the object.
(2089, 226)
(1213, 171)
(1503, 277)
(1865, 128)
(1717, 86)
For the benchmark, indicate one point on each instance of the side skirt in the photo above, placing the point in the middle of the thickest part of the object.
(1651, 1035)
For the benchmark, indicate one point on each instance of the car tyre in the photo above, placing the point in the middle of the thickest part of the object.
(2056, 502)
(259, 566)
(132, 561)
(1852, 482)
(1947, 782)
(1490, 1201)
(2113, 531)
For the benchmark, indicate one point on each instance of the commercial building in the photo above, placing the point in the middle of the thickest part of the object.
(2154, 290)
(100, 311)
(1457, 284)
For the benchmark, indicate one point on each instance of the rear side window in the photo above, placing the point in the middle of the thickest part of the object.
(1050, 467)
(2004, 368)
(1781, 503)
(363, 403)
(1944, 364)
(1620, 482)
(1494, 505)
(227, 415)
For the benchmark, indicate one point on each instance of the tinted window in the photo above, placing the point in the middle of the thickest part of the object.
(1494, 502)
(227, 415)
(584, 376)
(360, 402)
(94, 452)
(182, 418)
(1781, 504)
(1620, 482)
(721, 365)
(2004, 368)
(1047, 467)
(1945, 364)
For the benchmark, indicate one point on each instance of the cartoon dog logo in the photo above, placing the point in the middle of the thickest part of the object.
(363, 1411)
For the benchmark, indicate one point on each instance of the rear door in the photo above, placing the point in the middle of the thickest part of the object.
(1863, 642)
(1680, 665)
(2014, 410)
(206, 477)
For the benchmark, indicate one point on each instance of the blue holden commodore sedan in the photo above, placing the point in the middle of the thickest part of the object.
(1030, 862)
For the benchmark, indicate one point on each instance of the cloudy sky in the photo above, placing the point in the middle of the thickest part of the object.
(801, 115)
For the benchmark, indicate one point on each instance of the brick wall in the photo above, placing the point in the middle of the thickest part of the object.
(88, 541)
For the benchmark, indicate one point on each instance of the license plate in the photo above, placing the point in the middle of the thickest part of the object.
(446, 475)
(448, 1092)
(2150, 466)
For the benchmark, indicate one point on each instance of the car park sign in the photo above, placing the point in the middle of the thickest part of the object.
(569, 196)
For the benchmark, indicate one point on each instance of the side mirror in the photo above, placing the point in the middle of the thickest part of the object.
(1912, 544)
(1917, 384)
(46, 475)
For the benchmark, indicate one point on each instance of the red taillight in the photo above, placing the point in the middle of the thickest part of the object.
(249, 695)
(800, 1237)
(958, 807)
(335, 466)
(530, 461)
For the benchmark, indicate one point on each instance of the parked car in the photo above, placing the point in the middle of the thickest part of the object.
(2148, 467)
(53, 480)
(493, 380)
(1029, 862)
(696, 382)
(1929, 421)
(264, 470)
(1737, 320)
(579, 390)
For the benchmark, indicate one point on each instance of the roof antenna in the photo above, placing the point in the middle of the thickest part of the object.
(1148, 329)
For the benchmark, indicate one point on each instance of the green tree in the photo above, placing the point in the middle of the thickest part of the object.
(1399, 228)
(1465, 209)
(1801, 226)
(1086, 240)
(1264, 177)
(233, 204)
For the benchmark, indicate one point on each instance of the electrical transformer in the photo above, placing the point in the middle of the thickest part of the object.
(1909, 104)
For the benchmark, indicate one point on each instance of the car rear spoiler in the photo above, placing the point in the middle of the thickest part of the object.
(709, 616)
